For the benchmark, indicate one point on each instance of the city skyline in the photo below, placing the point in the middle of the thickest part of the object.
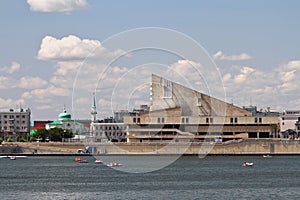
(46, 46)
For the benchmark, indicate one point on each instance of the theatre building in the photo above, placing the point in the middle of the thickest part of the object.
(179, 113)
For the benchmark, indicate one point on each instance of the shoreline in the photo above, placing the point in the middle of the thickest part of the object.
(246, 147)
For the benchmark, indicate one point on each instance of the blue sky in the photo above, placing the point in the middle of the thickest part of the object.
(254, 43)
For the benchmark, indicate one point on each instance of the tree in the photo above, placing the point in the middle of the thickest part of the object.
(54, 134)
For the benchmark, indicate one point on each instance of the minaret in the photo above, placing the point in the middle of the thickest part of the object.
(94, 111)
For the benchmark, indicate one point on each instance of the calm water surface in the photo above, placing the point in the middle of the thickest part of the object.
(220, 177)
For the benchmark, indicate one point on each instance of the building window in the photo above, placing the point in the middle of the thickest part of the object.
(5, 116)
(260, 120)
(235, 120)
(211, 120)
(186, 120)
(158, 120)
(138, 120)
(199, 99)
(23, 116)
(134, 120)
(167, 88)
(162, 120)
(207, 120)
(231, 120)
(182, 120)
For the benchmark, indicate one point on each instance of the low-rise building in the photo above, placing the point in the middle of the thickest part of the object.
(15, 123)
(288, 118)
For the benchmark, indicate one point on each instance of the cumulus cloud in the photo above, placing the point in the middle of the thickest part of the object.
(9, 103)
(12, 68)
(277, 87)
(243, 75)
(7, 82)
(70, 47)
(48, 95)
(56, 5)
(221, 56)
(29, 82)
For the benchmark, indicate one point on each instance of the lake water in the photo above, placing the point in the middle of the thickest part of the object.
(213, 177)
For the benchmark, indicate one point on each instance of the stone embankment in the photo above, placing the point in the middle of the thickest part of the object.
(235, 147)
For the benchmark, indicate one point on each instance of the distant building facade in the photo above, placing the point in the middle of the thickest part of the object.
(180, 113)
(79, 129)
(110, 129)
(288, 118)
(15, 123)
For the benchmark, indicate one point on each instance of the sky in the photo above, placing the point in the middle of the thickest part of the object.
(57, 53)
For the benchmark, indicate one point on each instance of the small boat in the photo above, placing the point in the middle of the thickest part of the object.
(267, 156)
(77, 159)
(98, 161)
(114, 164)
(83, 161)
(247, 164)
(13, 157)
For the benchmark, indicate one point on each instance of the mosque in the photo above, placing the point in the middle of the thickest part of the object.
(65, 121)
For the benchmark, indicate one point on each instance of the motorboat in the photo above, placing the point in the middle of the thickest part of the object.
(77, 159)
(98, 161)
(83, 161)
(267, 156)
(13, 157)
(114, 164)
(247, 164)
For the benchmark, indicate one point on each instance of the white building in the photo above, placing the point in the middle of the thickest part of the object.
(103, 132)
(288, 119)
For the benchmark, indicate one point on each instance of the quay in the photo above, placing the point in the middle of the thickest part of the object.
(234, 147)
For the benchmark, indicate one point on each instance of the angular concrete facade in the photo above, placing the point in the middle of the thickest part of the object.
(178, 112)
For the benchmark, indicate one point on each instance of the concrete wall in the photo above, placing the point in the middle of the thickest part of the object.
(237, 147)
(192, 102)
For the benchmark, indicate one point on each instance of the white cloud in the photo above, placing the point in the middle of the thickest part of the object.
(29, 82)
(221, 56)
(243, 75)
(56, 5)
(70, 47)
(276, 88)
(7, 82)
(11, 69)
(51, 91)
(10, 103)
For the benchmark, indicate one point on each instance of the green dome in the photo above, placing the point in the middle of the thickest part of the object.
(64, 116)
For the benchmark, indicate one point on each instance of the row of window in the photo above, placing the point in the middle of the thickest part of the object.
(209, 120)
(110, 128)
(17, 122)
(110, 134)
(11, 128)
(136, 120)
(13, 116)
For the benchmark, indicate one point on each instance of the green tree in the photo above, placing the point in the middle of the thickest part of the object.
(54, 134)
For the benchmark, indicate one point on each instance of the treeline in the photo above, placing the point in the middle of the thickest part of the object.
(53, 134)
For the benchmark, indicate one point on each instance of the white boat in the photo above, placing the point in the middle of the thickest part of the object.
(98, 161)
(247, 164)
(267, 156)
(114, 164)
(13, 157)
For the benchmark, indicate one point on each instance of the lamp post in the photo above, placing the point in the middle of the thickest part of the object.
(63, 136)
